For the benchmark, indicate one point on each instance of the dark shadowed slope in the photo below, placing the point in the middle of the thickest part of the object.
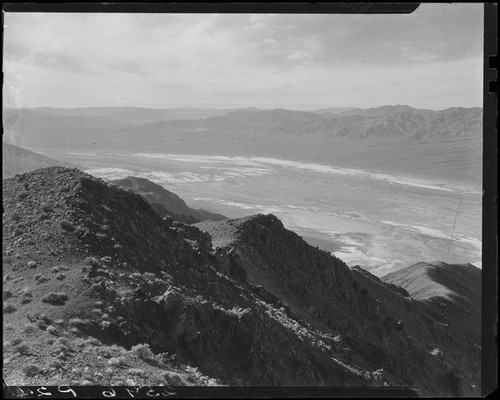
(16, 160)
(165, 202)
(375, 320)
(455, 288)
(91, 270)
(427, 280)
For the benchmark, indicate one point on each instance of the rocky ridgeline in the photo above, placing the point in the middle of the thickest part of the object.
(164, 202)
(377, 321)
(263, 308)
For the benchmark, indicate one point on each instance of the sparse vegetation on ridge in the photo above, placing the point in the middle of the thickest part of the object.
(166, 309)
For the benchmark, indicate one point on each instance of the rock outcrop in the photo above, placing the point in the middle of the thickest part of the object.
(235, 302)
(165, 202)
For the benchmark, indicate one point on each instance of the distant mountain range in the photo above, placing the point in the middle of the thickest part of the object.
(443, 144)
(16, 160)
(94, 277)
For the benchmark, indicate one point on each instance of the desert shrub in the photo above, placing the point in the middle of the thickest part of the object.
(55, 298)
(44, 318)
(92, 261)
(29, 328)
(32, 264)
(67, 226)
(41, 324)
(104, 352)
(52, 330)
(6, 346)
(46, 207)
(16, 341)
(21, 348)
(9, 308)
(136, 371)
(56, 364)
(54, 269)
(116, 361)
(31, 369)
(40, 279)
(78, 322)
(26, 291)
(61, 276)
(143, 351)
(60, 349)
(172, 378)
(43, 216)
(63, 341)
(27, 296)
(105, 324)
(149, 276)
(15, 216)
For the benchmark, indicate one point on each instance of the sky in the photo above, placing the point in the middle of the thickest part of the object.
(430, 59)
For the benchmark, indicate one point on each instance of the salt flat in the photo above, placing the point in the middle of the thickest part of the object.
(379, 221)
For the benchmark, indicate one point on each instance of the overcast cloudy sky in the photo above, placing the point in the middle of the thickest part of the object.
(431, 58)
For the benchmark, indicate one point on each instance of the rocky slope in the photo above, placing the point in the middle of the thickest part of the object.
(455, 288)
(94, 276)
(165, 202)
(16, 160)
(379, 322)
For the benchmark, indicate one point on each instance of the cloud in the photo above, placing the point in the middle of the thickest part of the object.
(300, 55)
(263, 60)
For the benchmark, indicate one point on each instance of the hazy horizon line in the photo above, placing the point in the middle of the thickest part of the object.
(238, 108)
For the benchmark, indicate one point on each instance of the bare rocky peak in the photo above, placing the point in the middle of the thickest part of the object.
(260, 308)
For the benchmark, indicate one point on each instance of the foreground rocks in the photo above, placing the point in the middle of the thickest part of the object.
(262, 308)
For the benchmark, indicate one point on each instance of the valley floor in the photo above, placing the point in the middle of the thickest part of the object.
(380, 221)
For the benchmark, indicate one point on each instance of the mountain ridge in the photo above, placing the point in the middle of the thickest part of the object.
(16, 160)
(431, 144)
(165, 202)
(162, 283)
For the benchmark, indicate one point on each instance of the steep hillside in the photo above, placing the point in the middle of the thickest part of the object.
(91, 264)
(377, 321)
(94, 276)
(456, 288)
(165, 202)
(16, 160)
